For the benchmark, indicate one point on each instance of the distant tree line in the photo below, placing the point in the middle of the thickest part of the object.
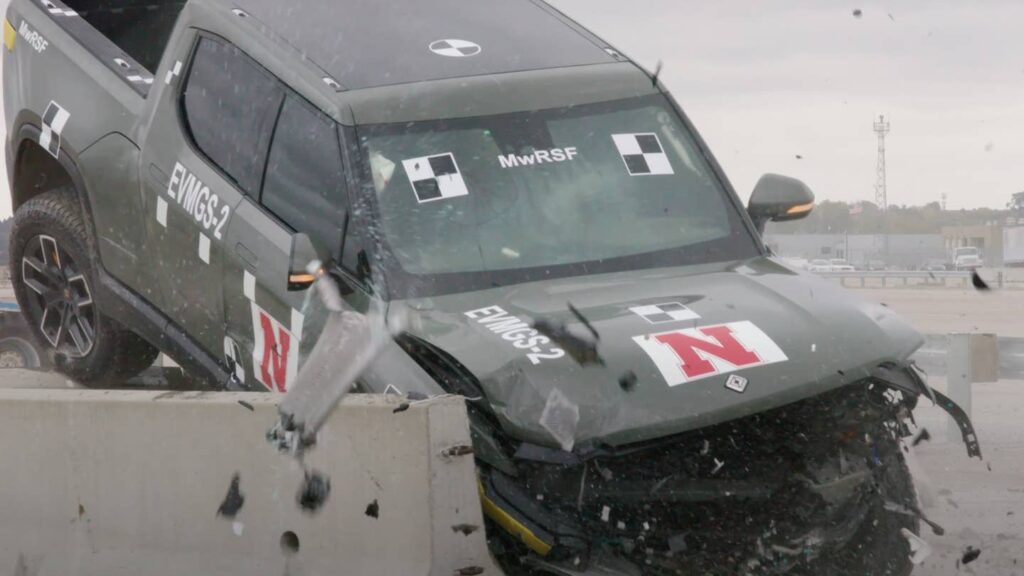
(866, 218)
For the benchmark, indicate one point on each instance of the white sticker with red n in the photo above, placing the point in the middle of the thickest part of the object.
(694, 353)
(275, 351)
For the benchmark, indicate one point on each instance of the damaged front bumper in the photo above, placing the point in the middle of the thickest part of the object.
(758, 495)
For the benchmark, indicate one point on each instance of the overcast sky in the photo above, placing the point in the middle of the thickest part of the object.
(765, 81)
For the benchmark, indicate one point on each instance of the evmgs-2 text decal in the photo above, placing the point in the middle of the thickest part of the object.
(517, 332)
(197, 200)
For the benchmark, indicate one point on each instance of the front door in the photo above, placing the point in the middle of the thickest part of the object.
(203, 151)
(304, 190)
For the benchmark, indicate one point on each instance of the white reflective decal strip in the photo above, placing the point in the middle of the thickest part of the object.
(297, 322)
(45, 135)
(161, 211)
(173, 72)
(249, 286)
(204, 247)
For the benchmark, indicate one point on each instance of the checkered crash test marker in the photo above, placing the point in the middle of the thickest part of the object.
(667, 312)
(643, 154)
(435, 177)
(54, 119)
(454, 48)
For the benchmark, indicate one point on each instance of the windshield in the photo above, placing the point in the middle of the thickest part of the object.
(470, 202)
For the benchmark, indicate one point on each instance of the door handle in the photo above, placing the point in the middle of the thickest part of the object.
(158, 177)
(246, 255)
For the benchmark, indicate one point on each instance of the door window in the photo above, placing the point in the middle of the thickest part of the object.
(305, 183)
(230, 103)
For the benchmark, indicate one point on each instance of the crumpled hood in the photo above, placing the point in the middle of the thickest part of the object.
(681, 331)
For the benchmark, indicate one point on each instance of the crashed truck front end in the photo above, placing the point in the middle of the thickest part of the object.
(598, 464)
(649, 392)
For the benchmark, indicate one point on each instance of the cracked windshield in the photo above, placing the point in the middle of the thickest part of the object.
(511, 287)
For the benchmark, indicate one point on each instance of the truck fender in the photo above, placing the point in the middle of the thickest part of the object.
(28, 135)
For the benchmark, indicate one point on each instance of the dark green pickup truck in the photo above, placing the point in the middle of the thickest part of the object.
(650, 391)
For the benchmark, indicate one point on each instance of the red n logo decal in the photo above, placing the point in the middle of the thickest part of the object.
(274, 351)
(725, 347)
(274, 368)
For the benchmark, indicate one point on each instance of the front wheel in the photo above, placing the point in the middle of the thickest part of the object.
(54, 273)
(878, 547)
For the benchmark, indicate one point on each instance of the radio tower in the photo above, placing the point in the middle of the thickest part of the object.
(881, 128)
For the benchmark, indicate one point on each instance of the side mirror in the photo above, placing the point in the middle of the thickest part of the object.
(779, 199)
(303, 252)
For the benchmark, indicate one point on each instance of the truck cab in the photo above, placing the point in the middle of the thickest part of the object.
(967, 258)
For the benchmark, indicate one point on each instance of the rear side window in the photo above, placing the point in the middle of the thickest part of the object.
(305, 183)
(230, 103)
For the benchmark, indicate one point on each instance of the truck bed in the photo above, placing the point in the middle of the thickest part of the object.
(139, 27)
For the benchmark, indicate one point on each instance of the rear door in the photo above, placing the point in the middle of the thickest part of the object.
(203, 152)
(269, 327)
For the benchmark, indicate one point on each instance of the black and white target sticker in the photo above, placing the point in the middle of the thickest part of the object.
(54, 119)
(454, 48)
(435, 177)
(233, 358)
(667, 312)
(643, 154)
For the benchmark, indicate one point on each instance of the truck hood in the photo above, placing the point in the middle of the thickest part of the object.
(672, 341)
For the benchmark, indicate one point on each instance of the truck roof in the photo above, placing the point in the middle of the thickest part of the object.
(368, 43)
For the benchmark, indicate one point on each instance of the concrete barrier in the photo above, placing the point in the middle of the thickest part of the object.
(112, 483)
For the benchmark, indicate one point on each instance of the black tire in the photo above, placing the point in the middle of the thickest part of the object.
(54, 267)
(878, 548)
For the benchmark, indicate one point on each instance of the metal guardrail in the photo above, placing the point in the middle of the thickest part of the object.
(933, 355)
(920, 277)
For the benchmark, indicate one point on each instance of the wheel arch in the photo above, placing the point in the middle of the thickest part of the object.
(36, 171)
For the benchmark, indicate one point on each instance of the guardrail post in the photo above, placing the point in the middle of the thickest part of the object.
(971, 358)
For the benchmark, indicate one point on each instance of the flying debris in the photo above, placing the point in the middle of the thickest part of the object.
(628, 381)
(657, 72)
(919, 549)
(978, 283)
(233, 500)
(580, 348)
(560, 418)
(315, 489)
(373, 509)
(970, 555)
(922, 436)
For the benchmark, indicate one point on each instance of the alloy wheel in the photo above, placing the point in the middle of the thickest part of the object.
(60, 301)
